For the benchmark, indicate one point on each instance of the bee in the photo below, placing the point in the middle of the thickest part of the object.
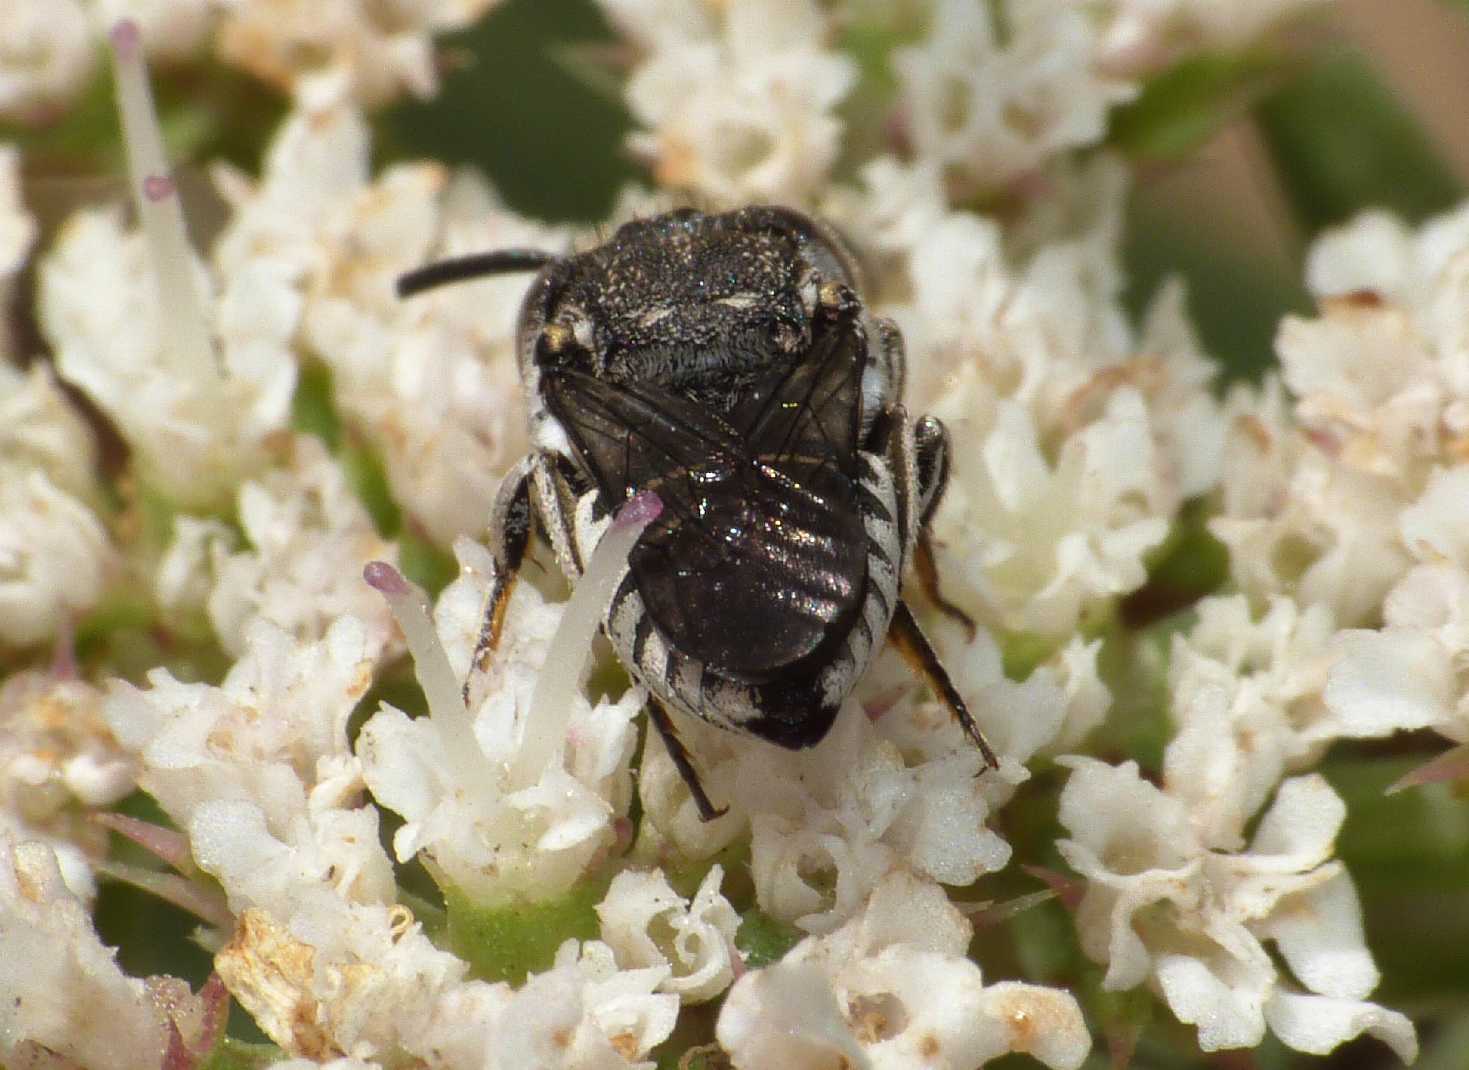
(726, 362)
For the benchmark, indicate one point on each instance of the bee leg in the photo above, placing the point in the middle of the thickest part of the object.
(556, 487)
(511, 518)
(910, 642)
(931, 440)
(892, 358)
(661, 721)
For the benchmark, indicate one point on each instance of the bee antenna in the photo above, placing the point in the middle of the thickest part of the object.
(477, 265)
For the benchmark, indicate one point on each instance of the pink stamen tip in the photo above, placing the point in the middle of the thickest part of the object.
(384, 578)
(158, 187)
(642, 508)
(125, 37)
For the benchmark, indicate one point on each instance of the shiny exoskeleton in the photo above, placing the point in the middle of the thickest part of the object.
(727, 363)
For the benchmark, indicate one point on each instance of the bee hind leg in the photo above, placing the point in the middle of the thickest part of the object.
(664, 724)
(918, 652)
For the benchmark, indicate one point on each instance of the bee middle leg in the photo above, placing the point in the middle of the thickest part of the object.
(931, 440)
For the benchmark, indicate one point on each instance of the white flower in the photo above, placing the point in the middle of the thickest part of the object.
(41, 430)
(61, 991)
(990, 103)
(359, 980)
(582, 1014)
(308, 538)
(47, 56)
(647, 923)
(274, 730)
(1297, 522)
(17, 234)
(330, 51)
(1407, 674)
(893, 989)
(1162, 908)
(1246, 696)
(1031, 543)
(499, 824)
(1381, 378)
(1087, 698)
(192, 435)
(55, 557)
(738, 100)
(431, 382)
(1024, 351)
(58, 761)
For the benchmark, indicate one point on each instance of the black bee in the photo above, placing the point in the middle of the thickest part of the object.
(727, 363)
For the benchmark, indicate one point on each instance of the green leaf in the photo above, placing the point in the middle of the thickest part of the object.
(313, 409)
(551, 144)
(508, 941)
(1341, 142)
(1189, 565)
(1406, 854)
(1022, 652)
(368, 477)
(1235, 300)
(232, 1054)
(763, 939)
(424, 563)
(1186, 105)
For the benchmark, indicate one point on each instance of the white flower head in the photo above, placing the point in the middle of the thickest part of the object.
(354, 979)
(507, 805)
(40, 429)
(326, 52)
(47, 57)
(1247, 698)
(1162, 908)
(432, 381)
(58, 761)
(892, 988)
(584, 1013)
(56, 560)
(990, 103)
(1032, 543)
(738, 99)
(196, 371)
(647, 923)
(308, 539)
(61, 990)
(271, 733)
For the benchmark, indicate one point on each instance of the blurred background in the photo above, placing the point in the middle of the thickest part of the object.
(1241, 161)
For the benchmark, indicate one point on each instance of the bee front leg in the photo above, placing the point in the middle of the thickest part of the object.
(931, 440)
(511, 518)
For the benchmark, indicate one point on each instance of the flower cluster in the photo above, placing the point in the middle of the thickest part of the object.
(522, 875)
(321, 53)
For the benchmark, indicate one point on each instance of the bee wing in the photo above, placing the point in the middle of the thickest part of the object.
(759, 557)
(813, 407)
